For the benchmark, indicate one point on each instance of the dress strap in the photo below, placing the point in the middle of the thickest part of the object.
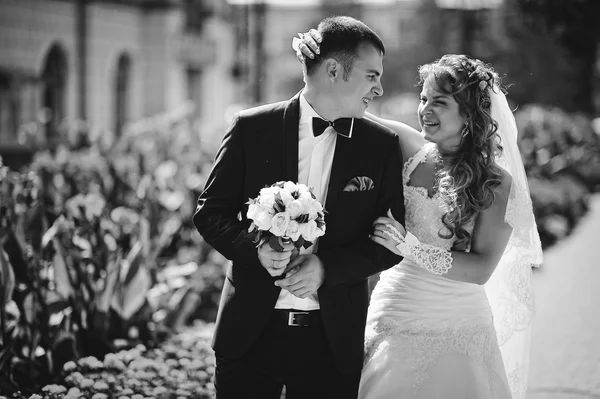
(411, 164)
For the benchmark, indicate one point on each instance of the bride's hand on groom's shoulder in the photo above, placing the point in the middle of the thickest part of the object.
(388, 232)
(304, 275)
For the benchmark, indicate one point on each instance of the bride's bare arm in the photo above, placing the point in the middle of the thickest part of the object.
(411, 140)
(490, 237)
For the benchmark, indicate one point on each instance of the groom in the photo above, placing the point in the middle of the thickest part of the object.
(301, 323)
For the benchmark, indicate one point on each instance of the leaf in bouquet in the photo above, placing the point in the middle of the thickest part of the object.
(299, 242)
(277, 242)
(61, 273)
(7, 279)
(278, 205)
(306, 244)
(302, 218)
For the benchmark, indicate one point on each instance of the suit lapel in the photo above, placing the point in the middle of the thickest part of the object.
(340, 168)
(291, 119)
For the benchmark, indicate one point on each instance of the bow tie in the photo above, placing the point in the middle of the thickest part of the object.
(341, 126)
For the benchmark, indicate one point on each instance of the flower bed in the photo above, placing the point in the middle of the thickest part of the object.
(562, 158)
(97, 245)
(181, 367)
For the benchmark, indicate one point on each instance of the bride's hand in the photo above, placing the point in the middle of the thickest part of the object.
(307, 44)
(388, 232)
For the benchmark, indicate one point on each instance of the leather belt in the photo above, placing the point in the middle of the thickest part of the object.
(299, 318)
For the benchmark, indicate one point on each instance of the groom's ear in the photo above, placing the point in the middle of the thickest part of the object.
(333, 68)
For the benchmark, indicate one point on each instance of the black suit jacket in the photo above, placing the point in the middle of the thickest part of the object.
(261, 148)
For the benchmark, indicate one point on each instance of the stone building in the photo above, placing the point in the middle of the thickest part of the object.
(110, 62)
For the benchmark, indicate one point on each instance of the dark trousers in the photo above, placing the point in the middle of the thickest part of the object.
(297, 357)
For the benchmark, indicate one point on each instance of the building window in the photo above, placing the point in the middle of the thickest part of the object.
(194, 87)
(54, 80)
(8, 109)
(122, 87)
(196, 12)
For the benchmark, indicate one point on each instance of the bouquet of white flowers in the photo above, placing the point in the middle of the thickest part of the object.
(286, 212)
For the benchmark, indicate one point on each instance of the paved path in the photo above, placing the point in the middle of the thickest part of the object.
(565, 356)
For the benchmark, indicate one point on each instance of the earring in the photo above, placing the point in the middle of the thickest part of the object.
(465, 130)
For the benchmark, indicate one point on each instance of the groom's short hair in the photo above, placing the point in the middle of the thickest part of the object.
(342, 36)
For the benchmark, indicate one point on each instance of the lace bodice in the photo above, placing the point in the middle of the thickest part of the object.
(423, 213)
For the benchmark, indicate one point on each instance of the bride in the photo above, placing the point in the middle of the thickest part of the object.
(452, 319)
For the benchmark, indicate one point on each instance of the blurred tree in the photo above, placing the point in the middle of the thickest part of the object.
(575, 24)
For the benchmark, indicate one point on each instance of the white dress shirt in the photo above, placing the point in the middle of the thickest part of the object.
(315, 158)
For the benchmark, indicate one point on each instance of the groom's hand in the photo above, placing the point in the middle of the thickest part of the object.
(274, 261)
(306, 274)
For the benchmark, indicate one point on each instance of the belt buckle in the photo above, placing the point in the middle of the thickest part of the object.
(292, 319)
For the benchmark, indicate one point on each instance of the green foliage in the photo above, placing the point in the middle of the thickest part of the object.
(182, 366)
(575, 22)
(562, 158)
(97, 245)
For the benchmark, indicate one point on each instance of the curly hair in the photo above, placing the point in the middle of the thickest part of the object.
(467, 178)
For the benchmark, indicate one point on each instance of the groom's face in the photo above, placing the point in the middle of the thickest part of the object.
(363, 83)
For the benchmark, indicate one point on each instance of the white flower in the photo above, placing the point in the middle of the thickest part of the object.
(310, 231)
(303, 190)
(294, 208)
(279, 223)
(290, 186)
(286, 196)
(316, 205)
(294, 230)
(253, 211)
(307, 207)
(263, 221)
(267, 195)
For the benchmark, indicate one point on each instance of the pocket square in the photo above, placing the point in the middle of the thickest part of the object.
(360, 183)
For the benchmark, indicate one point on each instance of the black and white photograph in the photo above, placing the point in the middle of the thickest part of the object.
(299, 199)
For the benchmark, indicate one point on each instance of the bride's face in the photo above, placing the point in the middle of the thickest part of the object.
(440, 119)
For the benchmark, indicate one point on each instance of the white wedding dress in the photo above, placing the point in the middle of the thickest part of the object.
(427, 336)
